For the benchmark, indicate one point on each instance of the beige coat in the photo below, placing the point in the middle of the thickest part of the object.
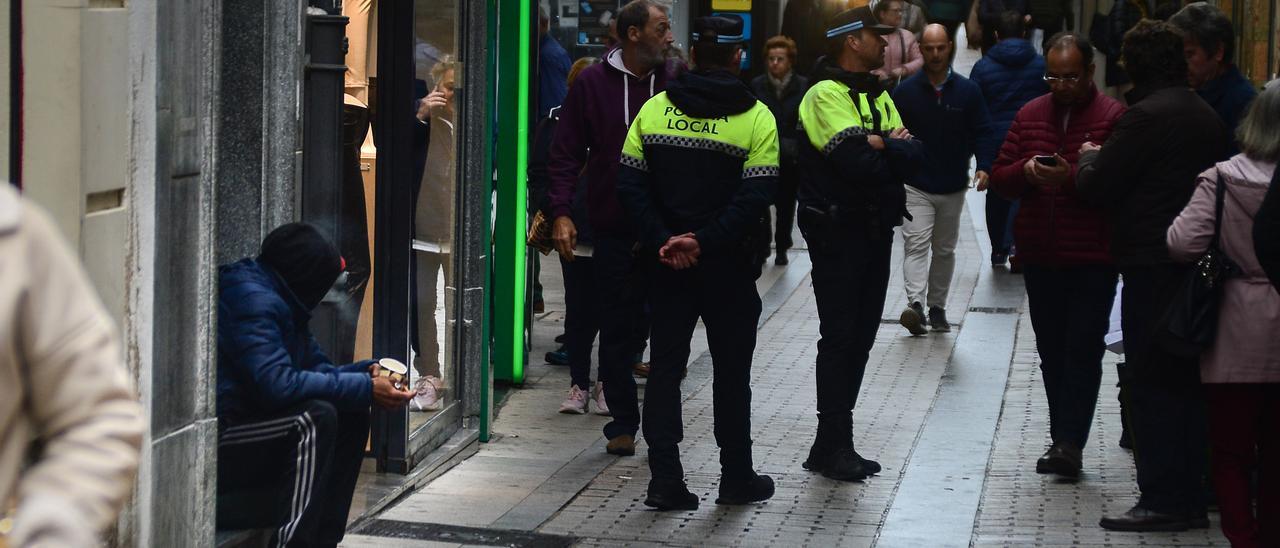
(63, 383)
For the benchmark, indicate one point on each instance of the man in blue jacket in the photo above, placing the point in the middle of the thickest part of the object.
(1208, 41)
(1010, 75)
(946, 112)
(291, 425)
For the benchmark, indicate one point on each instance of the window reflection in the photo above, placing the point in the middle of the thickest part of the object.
(436, 76)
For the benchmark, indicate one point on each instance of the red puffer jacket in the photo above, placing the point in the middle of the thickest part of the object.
(1055, 226)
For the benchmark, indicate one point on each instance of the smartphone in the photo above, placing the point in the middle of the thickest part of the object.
(1046, 160)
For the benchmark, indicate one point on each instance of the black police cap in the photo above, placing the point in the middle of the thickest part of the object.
(718, 29)
(855, 20)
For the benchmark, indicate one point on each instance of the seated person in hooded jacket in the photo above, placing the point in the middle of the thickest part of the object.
(291, 425)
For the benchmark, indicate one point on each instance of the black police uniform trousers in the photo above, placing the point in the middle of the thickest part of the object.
(850, 279)
(294, 472)
(722, 291)
(1166, 402)
(620, 288)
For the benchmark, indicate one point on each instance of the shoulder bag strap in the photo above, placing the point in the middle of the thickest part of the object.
(1221, 192)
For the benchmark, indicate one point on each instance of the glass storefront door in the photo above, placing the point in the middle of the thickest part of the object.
(416, 80)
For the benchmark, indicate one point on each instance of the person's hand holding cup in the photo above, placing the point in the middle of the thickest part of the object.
(390, 386)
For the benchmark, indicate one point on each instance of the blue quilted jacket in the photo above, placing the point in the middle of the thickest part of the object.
(1011, 75)
(267, 358)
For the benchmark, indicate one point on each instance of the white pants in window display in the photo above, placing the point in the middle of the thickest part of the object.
(935, 227)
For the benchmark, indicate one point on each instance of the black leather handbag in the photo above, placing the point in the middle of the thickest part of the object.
(1191, 321)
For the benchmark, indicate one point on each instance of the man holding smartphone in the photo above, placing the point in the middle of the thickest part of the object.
(1063, 241)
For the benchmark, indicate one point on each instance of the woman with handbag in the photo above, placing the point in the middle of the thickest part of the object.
(1240, 369)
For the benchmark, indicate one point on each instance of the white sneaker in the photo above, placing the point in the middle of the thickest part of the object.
(428, 390)
(576, 403)
(602, 408)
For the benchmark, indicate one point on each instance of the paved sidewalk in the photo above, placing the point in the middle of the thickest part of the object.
(957, 420)
(547, 482)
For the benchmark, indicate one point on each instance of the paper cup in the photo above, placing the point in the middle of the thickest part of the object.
(393, 369)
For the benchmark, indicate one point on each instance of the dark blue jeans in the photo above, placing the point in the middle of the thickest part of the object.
(620, 288)
(1070, 312)
(1000, 214)
(581, 317)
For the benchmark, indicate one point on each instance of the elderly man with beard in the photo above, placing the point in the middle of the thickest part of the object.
(594, 118)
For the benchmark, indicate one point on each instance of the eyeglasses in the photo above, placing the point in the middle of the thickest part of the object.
(1051, 80)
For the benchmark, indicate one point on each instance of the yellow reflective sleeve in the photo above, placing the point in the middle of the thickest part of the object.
(829, 115)
(633, 145)
(891, 118)
(762, 158)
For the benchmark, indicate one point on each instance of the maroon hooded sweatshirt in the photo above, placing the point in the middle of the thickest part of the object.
(594, 119)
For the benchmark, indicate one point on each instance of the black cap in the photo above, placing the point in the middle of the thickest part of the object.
(854, 20)
(718, 29)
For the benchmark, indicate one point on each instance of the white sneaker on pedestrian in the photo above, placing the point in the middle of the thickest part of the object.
(576, 403)
(427, 397)
(602, 408)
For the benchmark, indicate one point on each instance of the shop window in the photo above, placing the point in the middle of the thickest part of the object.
(436, 206)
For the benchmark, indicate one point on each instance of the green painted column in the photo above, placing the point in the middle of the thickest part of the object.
(514, 25)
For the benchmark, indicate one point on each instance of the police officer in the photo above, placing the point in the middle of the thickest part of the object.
(856, 157)
(699, 167)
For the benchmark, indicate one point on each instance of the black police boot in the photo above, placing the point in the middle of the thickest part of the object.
(671, 497)
(746, 490)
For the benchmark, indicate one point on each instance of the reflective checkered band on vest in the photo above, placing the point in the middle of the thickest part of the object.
(694, 142)
(760, 171)
(840, 137)
(637, 163)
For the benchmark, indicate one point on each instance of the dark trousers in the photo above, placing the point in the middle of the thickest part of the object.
(850, 277)
(999, 223)
(581, 317)
(1244, 436)
(785, 202)
(1071, 312)
(1166, 401)
(295, 471)
(721, 291)
(620, 287)
(354, 231)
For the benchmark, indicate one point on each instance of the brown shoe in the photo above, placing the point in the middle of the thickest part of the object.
(641, 369)
(623, 446)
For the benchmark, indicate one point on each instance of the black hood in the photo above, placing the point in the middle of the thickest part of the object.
(710, 94)
(861, 82)
(304, 259)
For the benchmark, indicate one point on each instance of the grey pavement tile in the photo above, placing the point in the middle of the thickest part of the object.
(1020, 507)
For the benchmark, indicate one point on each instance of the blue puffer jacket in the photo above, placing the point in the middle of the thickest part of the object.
(267, 358)
(1011, 75)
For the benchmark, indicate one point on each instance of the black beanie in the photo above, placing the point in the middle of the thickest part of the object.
(304, 258)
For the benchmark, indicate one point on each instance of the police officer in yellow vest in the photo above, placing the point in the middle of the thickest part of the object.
(699, 167)
(855, 160)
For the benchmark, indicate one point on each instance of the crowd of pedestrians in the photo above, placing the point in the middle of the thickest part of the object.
(858, 125)
(658, 174)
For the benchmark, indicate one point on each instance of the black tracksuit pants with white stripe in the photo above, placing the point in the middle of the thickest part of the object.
(294, 472)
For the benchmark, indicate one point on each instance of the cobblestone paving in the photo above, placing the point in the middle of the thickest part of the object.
(808, 510)
(1022, 508)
